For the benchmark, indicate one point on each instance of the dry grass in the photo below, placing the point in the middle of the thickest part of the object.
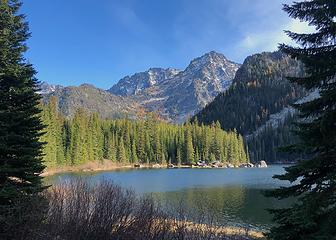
(79, 210)
(103, 165)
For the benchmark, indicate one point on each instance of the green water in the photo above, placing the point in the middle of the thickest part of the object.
(229, 196)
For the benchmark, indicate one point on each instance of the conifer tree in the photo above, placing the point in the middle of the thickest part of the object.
(142, 143)
(178, 155)
(122, 158)
(134, 153)
(313, 178)
(111, 152)
(190, 155)
(20, 126)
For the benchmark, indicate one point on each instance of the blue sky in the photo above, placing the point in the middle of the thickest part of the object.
(99, 42)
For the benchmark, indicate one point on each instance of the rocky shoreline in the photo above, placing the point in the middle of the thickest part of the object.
(106, 165)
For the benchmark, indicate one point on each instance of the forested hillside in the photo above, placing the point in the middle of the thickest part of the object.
(87, 137)
(266, 143)
(259, 90)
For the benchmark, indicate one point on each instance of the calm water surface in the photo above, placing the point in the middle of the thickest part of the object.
(231, 196)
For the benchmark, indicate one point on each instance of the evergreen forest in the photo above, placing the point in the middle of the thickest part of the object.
(87, 137)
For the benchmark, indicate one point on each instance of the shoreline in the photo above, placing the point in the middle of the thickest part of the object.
(104, 165)
(107, 165)
(227, 230)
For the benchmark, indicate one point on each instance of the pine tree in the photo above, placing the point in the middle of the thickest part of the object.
(20, 126)
(190, 155)
(178, 155)
(148, 149)
(53, 151)
(142, 143)
(217, 145)
(313, 178)
(122, 158)
(112, 152)
(134, 153)
(157, 145)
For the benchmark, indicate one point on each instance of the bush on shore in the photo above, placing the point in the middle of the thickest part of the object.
(79, 210)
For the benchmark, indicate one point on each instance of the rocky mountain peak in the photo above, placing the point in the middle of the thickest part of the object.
(175, 94)
(46, 88)
(86, 85)
(213, 67)
(209, 60)
(179, 94)
(138, 82)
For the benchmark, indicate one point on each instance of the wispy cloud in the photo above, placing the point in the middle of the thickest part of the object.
(270, 39)
(126, 18)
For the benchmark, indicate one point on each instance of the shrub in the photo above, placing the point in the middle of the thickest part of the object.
(79, 210)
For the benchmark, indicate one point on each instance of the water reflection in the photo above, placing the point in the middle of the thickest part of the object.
(230, 196)
(234, 205)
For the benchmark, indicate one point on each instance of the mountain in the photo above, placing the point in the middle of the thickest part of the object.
(92, 99)
(137, 83)
(259, 97)
(175, 94)
(46, 88)
(254, 98)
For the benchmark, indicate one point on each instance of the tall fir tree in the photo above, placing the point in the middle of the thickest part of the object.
(134, 157)
(20, 125)
(189, 148)
(122, 158)
(313, 178)
(178, 155)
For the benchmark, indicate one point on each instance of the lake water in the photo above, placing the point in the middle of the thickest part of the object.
(231, 196)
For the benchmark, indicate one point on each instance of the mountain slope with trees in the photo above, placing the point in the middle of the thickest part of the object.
(259, 90)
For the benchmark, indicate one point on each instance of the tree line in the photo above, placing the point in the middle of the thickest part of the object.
(87, 137)
(259, 90)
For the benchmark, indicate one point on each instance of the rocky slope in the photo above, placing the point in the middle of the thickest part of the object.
(46, 88)
(93, 99)
(137, 83)
(175, 94)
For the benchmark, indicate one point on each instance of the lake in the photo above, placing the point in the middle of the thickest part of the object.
(231, 196)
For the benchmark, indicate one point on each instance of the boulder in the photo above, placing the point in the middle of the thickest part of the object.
(229, 165)
(156, 166)
(170, 165)
(250, 165)
(262, 164)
